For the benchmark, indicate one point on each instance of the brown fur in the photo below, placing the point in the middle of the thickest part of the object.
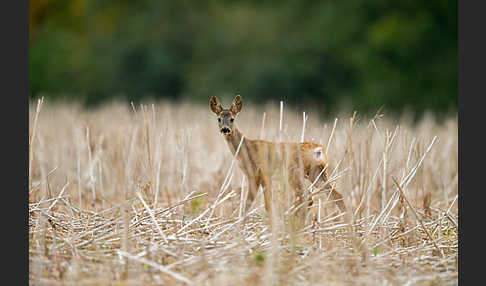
(260, 160)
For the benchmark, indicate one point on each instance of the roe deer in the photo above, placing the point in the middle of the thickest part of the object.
(260, 159)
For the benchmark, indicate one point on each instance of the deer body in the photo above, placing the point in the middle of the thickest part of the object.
(262, 160)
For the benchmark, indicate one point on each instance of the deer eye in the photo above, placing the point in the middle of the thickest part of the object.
(232, 119)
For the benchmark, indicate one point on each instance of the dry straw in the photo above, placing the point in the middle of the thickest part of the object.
(153, 196)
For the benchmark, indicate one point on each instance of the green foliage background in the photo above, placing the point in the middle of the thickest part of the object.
(397, 54)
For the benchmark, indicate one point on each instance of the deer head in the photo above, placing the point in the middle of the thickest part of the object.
(226, 117)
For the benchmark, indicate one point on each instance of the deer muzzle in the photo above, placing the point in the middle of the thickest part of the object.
(225, 130)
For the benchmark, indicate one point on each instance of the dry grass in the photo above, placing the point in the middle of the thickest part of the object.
(148, 195)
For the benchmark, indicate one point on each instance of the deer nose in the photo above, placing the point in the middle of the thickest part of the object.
(225, 130)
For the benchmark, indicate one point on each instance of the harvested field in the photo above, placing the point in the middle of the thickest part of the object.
(150, 195)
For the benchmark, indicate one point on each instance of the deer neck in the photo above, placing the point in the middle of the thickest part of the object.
(234, 139)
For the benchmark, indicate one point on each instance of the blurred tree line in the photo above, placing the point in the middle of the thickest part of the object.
(368, 53)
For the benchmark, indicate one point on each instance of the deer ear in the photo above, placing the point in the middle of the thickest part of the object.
(215, 105)
(236, 105)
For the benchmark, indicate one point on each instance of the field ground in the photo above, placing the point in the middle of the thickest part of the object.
(148, 195)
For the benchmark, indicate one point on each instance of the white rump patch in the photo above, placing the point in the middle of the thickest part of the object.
(318, 154)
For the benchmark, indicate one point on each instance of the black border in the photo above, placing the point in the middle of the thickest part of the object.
(471, 82)
(14, 118)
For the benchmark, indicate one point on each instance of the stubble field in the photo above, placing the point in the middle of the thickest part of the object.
(149, 195)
